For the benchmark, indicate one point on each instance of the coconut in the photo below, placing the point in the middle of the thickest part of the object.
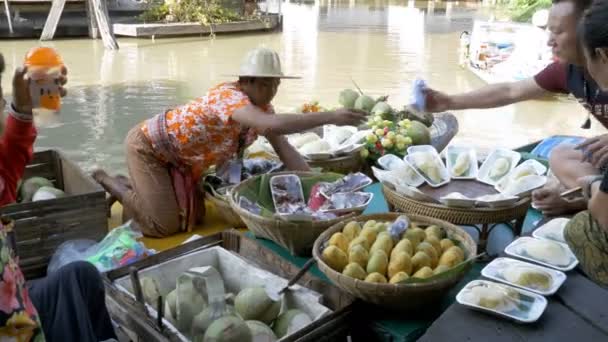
(254, 304)
(189, 303)
(365, 103)
(228, 329)
(260, 332)
(31, 185)
(289, 322)
(149, 287)
(348, 97)
(47, 193)
(419, 133)
(383, 109)
(203, 320)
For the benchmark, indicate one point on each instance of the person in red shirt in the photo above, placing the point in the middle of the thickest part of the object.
(70, 302)
(567, 75)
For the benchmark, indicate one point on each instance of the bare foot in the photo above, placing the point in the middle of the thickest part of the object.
(124, 180)
(112, 185)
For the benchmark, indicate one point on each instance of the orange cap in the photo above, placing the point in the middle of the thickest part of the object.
(43, 57)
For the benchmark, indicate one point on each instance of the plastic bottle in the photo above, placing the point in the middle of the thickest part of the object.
(44, 66)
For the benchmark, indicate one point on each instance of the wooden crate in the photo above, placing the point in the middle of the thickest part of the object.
(132, 316)
(40, 227)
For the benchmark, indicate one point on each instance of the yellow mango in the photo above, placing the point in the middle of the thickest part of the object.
(359, 255)
(420, 260)
(430, 251)
(370, 234)
(375, 278)
(446, 244)
(378, 262)
(335, 258)
(400, 263)
(435, 231)
(450, 258)
(352, 230)
(354, 270)
(359, 240)
(383, 242)
(423, 273)
(403, 246)
(399, 277)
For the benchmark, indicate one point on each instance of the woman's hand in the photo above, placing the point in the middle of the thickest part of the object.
(595, 150)
(22, 101)
(436, 101)
(348, 117)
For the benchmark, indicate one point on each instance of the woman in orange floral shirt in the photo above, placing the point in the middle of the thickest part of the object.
(166, 155)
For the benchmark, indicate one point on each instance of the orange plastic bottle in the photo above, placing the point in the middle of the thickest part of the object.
(44, 66)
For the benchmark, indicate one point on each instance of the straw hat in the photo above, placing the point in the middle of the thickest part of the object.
(262, 62)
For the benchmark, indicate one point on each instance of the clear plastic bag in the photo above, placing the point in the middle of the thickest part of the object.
(119, 248)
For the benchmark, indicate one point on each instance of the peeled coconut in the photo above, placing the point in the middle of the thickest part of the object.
(289, 322)
(47, 193)
(365, 103)
(228, 329)
(31, 185)
(348, 97)
(254, 304)
(149, 287)
(189, 303)
(317, 146)
(261, 332)
(203, 320)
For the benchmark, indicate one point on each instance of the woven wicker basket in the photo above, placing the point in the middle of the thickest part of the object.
(298, 237)
(402, 297)
(460, 216)
(225, 211)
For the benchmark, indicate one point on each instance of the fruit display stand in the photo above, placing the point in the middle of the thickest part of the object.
(40, 227)
(487, 218)
(133, 317)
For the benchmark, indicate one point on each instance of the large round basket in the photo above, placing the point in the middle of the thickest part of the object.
(344, 165)
(460, 216)
(225, 211)
(402, 297)
(297, 237)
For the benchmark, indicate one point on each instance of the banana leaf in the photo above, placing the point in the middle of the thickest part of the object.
(258, 190)
(461, 267)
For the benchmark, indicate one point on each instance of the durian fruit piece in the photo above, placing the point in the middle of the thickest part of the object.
(547, 251)
(316, 146)
(427, 164)
(500, 168)
(529, 277)
(493, 297)
(522, 171)
(462, 164)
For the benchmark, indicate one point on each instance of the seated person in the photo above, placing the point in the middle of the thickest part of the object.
(68, 305)
(167, 155)
(566, 76)
(587, 232)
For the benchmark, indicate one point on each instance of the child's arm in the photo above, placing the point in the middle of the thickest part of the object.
(16, 151)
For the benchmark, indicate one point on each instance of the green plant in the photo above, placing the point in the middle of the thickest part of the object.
(523, 10)
(206, 12)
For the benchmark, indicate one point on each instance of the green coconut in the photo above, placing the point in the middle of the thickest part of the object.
(347, 98)
(365, 103)
(149, 287)
(383, 109)
(260, 332)
(253, 303)
(47, 193)
(31, 185)
(203, 320)
(289, 322)
(419, 133)
(228, 329)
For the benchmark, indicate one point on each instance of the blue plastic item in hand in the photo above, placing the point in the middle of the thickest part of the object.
(418, 97)
(544, 148)
(398, 227)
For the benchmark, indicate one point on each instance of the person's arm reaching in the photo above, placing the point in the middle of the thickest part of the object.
(292, 159)
(552, 79)
(279, 124)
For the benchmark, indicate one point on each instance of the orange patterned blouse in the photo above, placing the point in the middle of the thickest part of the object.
(202, 132)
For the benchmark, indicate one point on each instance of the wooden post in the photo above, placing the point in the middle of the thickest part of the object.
(91, 20)
(100, 9)
(8, 16)
(50, 26)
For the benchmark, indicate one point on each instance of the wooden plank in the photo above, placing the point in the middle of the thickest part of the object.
(558, 323)
(77, 182)
(52, 20)
(100, 9)
(586, 298)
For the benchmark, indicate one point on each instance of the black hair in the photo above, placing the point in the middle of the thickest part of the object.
(593, 28)
(581, 5)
